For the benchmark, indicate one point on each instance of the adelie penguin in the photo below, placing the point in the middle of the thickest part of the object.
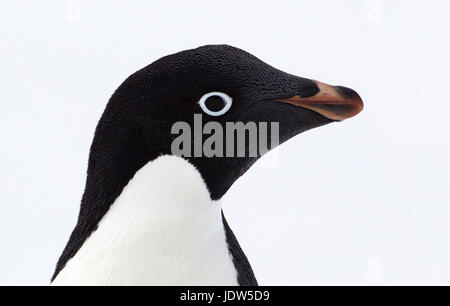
(151, 217)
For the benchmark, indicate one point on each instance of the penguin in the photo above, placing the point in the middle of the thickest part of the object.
(152, 217)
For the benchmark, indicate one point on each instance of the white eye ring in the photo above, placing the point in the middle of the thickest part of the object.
(225, 98)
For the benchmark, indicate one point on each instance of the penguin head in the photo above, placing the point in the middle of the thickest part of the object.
(224, 85)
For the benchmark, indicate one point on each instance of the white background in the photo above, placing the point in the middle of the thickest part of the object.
(365, 201)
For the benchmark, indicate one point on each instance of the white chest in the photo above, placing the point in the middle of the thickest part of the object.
(162, 230)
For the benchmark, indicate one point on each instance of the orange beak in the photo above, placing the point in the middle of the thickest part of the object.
(333, 102)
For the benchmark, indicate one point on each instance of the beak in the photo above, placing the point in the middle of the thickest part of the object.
(334, 102)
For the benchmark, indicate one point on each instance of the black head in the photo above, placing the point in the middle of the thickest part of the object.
(139, 117)
(136, 126)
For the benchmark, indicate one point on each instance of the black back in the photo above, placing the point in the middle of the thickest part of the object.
(246, 277)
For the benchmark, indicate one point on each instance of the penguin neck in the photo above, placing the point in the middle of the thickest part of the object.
(162, 229)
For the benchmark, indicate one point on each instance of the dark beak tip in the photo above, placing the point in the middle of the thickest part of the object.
(353, 100)
(358, 104)
(346, 93)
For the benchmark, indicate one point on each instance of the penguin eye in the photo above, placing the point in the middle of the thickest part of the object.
(215, 103)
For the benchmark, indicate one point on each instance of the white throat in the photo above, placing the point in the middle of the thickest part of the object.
(163, 229)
